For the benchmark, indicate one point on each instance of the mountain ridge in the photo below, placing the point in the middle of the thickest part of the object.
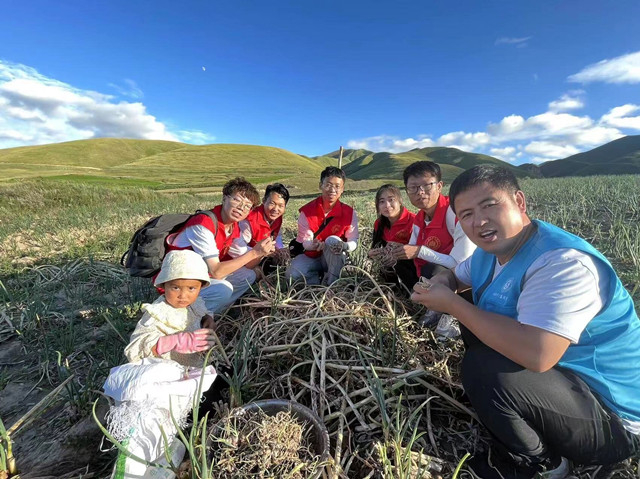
(172, 163)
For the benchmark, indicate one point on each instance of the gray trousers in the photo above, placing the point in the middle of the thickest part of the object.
(224, 292)
(325, 268)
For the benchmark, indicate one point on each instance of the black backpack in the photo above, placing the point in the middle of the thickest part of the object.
(147, 246)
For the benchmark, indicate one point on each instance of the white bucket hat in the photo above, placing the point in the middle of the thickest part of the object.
(183, 264)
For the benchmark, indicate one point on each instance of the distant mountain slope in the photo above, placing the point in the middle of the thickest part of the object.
(98, 153)
(348, 156)
(621, 156)
(158, 161)
(223, 161)
(391, 165)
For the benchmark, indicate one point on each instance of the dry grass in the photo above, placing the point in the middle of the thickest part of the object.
(352, 353)
(252, 444)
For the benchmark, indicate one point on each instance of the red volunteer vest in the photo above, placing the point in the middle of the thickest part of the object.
(342, 216)
(223, 242)
(260, 227)
(436, 235)
(400, 231)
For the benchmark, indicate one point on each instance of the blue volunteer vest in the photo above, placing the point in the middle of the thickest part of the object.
(607, 355)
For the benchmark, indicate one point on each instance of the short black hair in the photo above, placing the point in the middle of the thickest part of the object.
(420, 168)
(497, 176)
(332, 171)
(242, 186)
(278, 188)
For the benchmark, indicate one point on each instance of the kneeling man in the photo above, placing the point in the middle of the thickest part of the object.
(222, 246)
(327, 229)
(552, 365)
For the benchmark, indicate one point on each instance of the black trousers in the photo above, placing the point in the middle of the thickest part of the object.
(405, 271)
(535, 416)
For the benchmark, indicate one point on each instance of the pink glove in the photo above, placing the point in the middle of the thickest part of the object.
(185, 343)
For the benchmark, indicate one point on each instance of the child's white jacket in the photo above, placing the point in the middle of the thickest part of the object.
(162, 319)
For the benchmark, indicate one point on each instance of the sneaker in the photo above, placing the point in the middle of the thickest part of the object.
(559, 471)
(429, 319)
(494, 466)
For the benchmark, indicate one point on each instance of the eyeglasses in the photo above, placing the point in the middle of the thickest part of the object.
(427, 187)
(241, 205)
(331, 187)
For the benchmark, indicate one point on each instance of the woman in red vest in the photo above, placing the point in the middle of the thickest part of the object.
(265, 221)
(221, 245)
(327, 229)
(437, 241)
(393, 227)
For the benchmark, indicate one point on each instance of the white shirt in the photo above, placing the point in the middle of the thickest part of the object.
(203, 242)
(562, 291)
(462, 246)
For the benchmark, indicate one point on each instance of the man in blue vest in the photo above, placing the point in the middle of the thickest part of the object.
(552, 365)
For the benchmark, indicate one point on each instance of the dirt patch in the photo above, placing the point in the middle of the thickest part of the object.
(49, 449)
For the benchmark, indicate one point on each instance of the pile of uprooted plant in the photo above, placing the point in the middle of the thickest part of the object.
(386, 389)
(254, 444)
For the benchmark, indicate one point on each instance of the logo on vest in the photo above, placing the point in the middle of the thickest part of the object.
(507, 285)
(402, 235)
(433, 242)
(336, 229)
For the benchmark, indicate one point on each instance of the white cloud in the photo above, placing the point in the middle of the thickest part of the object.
(546, 136)
(622, 69)
(517, 41)
(464, 141)
(195, 137)
(131, 89)
(550, 150)
(13, 135)
(568, 101)
(390, 143)
(35, 109)
(618, 117)
(503, 153)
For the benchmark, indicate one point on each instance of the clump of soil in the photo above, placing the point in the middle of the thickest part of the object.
(252, 444)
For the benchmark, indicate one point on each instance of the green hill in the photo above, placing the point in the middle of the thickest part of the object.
(159, 163)
(621, 156)
(390, 165)
(348, 156)
(98, 153)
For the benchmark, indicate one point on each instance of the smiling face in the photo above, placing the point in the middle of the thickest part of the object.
(274, 206)
(492, 218)
(235, 208)
(331, 188)
(424, 191)
(181, 293)
(389, 205)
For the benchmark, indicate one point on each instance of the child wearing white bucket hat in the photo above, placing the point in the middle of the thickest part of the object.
(171, 327)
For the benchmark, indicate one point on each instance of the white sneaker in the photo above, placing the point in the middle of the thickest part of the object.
(559, 472)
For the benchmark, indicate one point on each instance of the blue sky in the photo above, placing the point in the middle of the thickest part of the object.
(523, 81)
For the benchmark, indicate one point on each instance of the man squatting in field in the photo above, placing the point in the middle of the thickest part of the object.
(223, 248)
(325, 252)
(552, 363)
(437, 241)
(265, 221)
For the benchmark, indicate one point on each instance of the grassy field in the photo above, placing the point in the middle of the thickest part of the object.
(66, 308)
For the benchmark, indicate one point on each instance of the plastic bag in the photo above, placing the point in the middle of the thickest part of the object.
(147, 394)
